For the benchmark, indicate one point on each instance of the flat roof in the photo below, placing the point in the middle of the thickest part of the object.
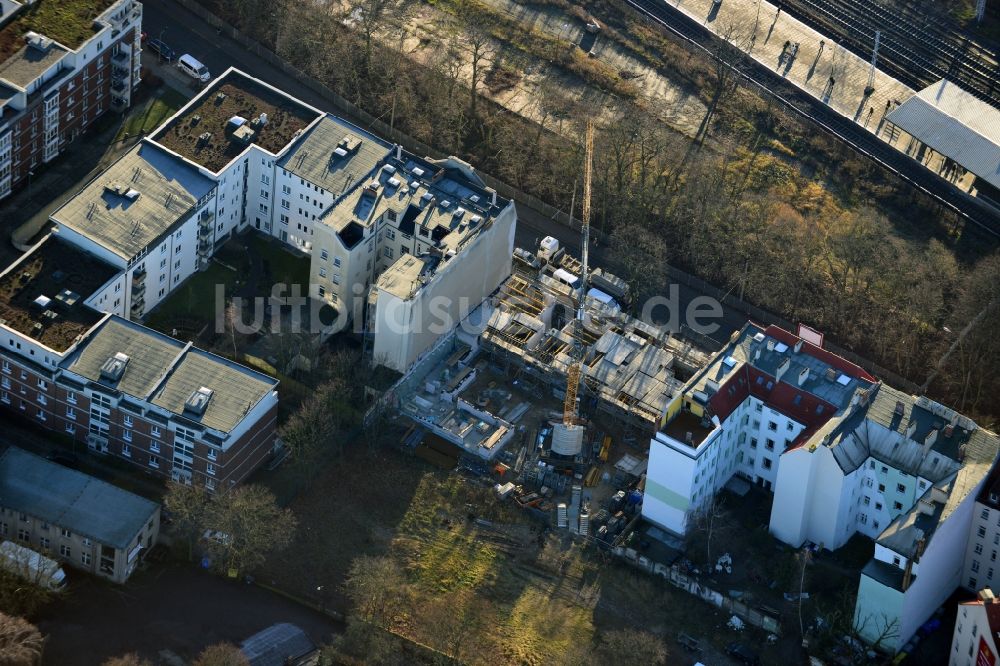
(314, 159)
(71, 499)
(135, 201)
(69, 22)
(28, 63)
(956, 124)
(150, 356)
(167, 372)
(66, 277)
(201, 131)
(236, 389)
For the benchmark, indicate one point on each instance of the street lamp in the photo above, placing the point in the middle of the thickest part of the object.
(30, 174)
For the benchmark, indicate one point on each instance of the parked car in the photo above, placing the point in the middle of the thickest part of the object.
(742, 654)
(193, 68)
(161, 49)
(65, 459)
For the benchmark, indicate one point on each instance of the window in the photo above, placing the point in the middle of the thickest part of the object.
(769, 444)
(982, 531)
(867, 500)
(126, 450)
(767, 463)
(978, 549)
(881, 487)
(71, 397)
(993, 556)
(322, 272)
(128, 421)
(896, 561)
(44, 543)
(85, 559)
(975, 565)
(263, 208)
(210, 484)
(972, 582)
(212, 454)
(788, 426)
(65, 533)
(875, 524)
(154, 447)
(985, 514)
(878, 506)
(285, 189)
(322, 291)
(388, 252)
(154, 462)
(210, 469)
(863, 519)
(23, 534)
(336, 261)
(989, 573)
(71, 413)
(771, 425)
(65, 551)
(265, 194)
(324, 255)
(390, 234)
(897, 506)
(264, 178)
(759, 407)
(155, 431)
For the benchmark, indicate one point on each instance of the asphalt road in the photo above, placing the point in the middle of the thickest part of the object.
(187, 33)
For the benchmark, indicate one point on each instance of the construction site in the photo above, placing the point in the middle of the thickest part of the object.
(552, 390)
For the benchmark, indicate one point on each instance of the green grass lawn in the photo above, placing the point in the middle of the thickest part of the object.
(144, 118)
(192, 305)
(280, 264)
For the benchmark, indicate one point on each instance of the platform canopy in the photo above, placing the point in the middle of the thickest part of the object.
(955, 124)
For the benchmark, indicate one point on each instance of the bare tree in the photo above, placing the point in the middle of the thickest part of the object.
(251, 525)
(630, 646)
(130, 659)
(709, 521)
(20, 642)
(374, 584)
(221, 654)
(188, 508)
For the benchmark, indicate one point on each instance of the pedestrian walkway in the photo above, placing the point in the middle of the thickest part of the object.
(815, 64)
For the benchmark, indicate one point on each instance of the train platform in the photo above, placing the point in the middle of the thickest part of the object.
(818, 65)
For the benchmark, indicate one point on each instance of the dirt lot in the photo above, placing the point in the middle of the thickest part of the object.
(508, 590)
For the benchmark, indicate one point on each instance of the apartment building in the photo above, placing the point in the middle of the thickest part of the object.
(843, 453)
(83, 522)
(118, 387)
(981, 568)
(421, 243)
(59, 72)
(977, 631)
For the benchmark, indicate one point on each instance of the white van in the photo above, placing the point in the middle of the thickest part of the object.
(190, 66)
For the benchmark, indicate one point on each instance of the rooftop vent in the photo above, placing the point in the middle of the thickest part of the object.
(444, 204)
(350, 143)
(414, 185)
(114, 367)
(261, 120)
(759, 337)
(831, 374)
(37, 41)
(427, 198)
(198, 402)
(42, 301)
(394, 182)
(899, 408)
(388, 168)
(244, 133)
(67, 297)
(236, 121)
(340, 152)
(204, 138)
(220, 98)
(417, 171)
(474, 198)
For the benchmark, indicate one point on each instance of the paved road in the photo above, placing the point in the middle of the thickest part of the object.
(186, 33)
(172, 608)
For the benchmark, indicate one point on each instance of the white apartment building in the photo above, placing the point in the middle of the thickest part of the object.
(981, 568)
(860, 457)
(422, 243)
(977, 632)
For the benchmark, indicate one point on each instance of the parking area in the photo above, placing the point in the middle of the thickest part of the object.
(165, 613)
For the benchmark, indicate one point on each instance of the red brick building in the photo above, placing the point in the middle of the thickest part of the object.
(58, 74)
(119, 387)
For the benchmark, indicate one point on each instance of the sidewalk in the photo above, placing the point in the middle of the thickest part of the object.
(819, 66)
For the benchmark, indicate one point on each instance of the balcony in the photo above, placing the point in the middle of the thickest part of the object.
(119, 86)
(137, 306)
(138, 276)
(204, 232)
(138, 289)
(206, 217)
(119, 103)
(204, 249)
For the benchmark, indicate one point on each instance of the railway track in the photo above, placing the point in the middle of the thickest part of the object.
(975, 212)
(914, 48)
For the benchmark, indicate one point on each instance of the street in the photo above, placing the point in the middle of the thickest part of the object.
(186, 33)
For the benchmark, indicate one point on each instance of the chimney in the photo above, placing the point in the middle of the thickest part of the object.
(770, 344)
(912, 428)
(782, 368)
(798, 346)
(803, 376)
(689, 437)
(986, 596)
(930, 439)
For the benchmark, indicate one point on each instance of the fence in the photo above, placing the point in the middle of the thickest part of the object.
(503, 189)
(675, 576)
